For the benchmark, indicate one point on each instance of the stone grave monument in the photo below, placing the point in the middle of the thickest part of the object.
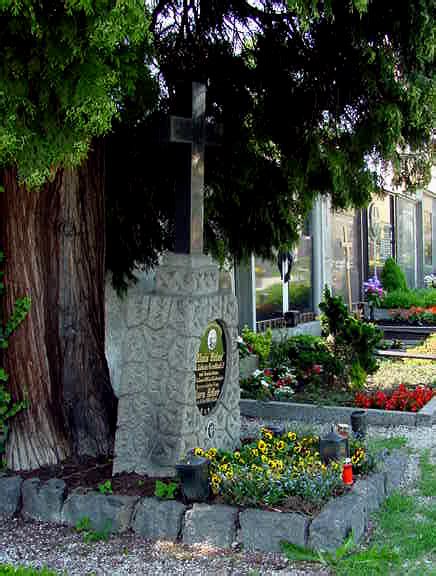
(179, 385)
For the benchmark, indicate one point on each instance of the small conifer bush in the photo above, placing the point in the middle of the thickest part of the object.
(392, 277)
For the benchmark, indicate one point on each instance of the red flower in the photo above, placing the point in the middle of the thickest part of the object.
(401, 398)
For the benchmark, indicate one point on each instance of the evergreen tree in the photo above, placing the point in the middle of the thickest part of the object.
(312, 98)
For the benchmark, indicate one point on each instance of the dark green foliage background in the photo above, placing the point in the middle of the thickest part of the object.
(422, 297)
(306, 93)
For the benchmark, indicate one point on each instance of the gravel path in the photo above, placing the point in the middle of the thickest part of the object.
(64, 551)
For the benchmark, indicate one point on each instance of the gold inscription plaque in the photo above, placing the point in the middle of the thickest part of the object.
(210, 367)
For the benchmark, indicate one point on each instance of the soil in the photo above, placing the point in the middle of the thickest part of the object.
(88, 473)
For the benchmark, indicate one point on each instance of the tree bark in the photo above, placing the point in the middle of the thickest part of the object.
(53, 239)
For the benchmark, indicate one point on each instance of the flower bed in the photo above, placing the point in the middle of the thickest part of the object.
(415, 315)
(283, 471)
(268, 384)
(412, 307)
(200, 523)
(402, 398)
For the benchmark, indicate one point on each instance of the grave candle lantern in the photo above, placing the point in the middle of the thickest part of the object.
(194, 476)
(358, 424)
(333, 447)
(347, 472)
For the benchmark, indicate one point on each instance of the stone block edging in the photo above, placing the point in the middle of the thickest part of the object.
(312, 413)
(216, 525)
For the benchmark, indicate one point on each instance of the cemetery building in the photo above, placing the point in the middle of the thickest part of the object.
(342, 250)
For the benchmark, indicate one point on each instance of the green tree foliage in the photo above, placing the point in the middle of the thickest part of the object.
(392, 277)
(310, 95)
(66, 70)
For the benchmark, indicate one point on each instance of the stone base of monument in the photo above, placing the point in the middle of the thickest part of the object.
(180, 369)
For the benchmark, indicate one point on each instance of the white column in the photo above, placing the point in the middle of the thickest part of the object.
(245, 289)
(320, 251)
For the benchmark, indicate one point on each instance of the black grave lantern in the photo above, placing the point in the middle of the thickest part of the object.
(359, 423)
(194, 476)
(292, 318)
(333, 447)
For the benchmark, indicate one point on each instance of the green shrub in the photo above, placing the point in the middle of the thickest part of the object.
(420, 297)
(259, 342)
(392, 277)
(354, 341)
(105, 487)
(303, 352)
(165, 491)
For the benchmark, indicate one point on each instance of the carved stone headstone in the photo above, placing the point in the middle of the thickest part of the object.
(174, 395)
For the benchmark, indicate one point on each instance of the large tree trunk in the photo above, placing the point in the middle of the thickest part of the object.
(53, 239)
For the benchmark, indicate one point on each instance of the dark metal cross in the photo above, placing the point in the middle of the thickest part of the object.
(190, 180)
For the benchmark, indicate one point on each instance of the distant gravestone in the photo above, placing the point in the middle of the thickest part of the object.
(179, 384)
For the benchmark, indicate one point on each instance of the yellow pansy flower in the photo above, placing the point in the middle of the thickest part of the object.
(292, 436)
(198, 451)
(262, 446)
(211, 453)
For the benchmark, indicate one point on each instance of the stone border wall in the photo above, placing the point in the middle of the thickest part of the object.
(216, 525)
(312, 413)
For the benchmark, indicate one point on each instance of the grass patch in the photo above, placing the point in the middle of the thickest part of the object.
(409, 529)
(7, 570)
(379, 444)
(404, 540)
(427, 483)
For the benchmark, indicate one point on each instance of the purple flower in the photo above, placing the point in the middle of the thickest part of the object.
(373, 288)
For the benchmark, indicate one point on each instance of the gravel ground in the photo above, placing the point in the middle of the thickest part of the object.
(63, 550)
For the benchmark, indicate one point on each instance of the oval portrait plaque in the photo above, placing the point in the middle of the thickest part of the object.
(210, 367)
